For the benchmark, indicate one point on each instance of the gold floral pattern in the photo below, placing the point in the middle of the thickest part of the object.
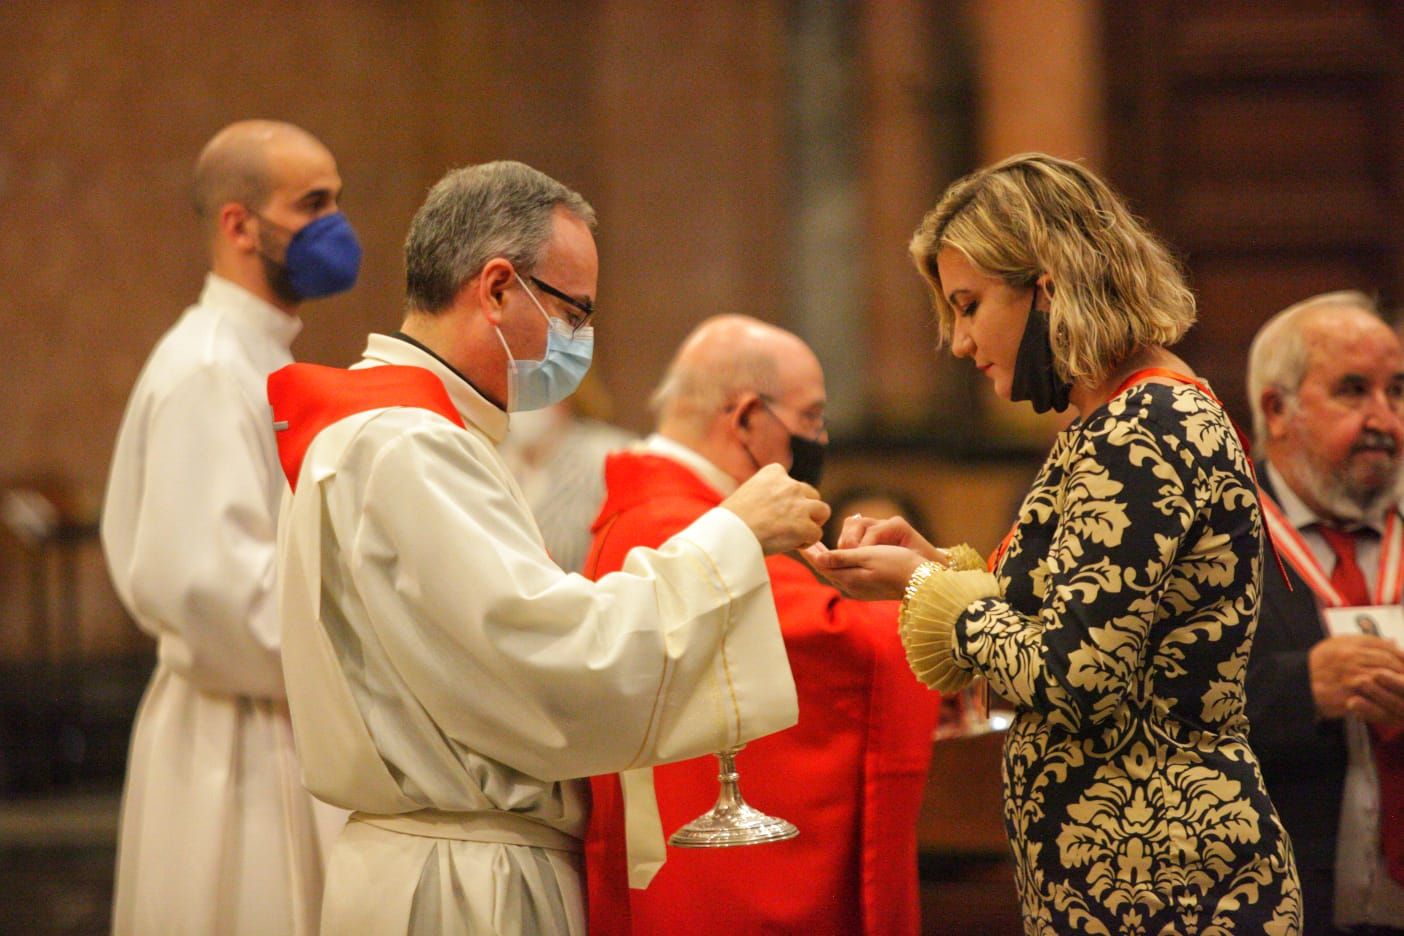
(1129, 597)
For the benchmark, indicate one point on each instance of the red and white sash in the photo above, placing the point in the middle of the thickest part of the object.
(1389, 582)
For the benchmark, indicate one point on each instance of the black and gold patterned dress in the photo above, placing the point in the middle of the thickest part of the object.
(1118, 621)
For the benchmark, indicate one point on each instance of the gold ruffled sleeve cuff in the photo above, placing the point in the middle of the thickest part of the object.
(935, 597)
(964, 558)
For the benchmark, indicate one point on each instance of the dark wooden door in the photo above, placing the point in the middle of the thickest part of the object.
(1264, 140)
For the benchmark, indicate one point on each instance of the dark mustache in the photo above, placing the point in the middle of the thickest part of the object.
(1372, 441)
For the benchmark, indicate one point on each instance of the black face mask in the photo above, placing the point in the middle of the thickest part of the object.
(806, 455)
(1035, 376)
(806, 459)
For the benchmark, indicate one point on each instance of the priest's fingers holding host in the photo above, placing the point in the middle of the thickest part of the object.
(783, 513)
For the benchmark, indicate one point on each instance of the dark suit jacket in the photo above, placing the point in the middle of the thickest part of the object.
(1303, 757)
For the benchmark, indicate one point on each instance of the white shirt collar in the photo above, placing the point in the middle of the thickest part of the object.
(689, 458)
(471, 405)
(248, 311)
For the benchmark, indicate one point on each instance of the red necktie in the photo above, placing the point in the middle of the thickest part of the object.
(1349, 581)
(1346, 577)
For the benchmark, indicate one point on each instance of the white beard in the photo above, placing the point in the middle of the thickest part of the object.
(1338, 500)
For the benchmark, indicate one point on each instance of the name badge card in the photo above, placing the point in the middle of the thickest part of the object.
(1376, 620)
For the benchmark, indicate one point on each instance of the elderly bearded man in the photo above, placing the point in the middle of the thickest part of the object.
(1326, 383)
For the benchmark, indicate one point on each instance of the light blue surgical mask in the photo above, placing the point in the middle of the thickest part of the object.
(535, 385)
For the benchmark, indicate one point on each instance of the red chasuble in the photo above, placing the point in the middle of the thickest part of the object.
(850, 775)
(306, 398)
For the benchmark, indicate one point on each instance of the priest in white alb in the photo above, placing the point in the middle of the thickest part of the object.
(447, 681)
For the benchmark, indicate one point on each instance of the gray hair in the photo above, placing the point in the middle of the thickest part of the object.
(1279, 356)
(474, 214)
(693, 395)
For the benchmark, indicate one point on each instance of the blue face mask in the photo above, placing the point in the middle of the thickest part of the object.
(535, 385)
(322, 259)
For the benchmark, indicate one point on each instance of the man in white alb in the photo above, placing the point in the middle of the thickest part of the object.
(217, 833)
(447, 680)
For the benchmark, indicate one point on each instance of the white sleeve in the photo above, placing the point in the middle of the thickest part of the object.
(676, 655)
(190, 533)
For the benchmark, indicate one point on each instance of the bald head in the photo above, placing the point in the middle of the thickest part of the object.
(243, 163)
(737, 390)
(724, 356)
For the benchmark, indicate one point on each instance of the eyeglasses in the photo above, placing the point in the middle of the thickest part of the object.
(586, 308)
(811, 420)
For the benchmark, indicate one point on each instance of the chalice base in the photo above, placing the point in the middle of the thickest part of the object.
(731, 822)
(726, 828)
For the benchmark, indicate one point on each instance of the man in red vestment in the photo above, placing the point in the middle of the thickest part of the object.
(739, 395)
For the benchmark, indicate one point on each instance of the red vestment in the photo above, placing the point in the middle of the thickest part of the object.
(850, 775)
(307, 398)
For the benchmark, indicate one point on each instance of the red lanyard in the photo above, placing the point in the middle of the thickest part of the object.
(1389, 583)
(1203, 388)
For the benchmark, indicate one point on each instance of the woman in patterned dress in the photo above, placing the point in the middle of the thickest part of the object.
(1118, 614)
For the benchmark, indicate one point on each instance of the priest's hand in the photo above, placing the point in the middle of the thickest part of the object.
(1359, 674)
(784, 514)
(868, 572)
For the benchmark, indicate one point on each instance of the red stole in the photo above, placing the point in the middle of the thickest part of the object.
(307, 398)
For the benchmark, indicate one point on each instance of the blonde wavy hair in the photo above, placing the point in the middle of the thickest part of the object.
(1116, 287)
